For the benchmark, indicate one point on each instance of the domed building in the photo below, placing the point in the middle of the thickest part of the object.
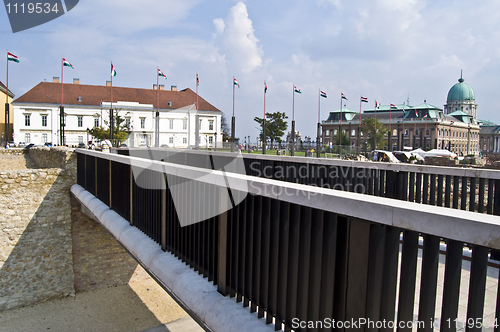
(461, 98)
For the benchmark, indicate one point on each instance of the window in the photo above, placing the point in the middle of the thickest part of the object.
(327, 132)
(96, 122)
(27, 121)
(416, 132)
(44, 137)
(171, 124)
(80, 122)
(353, 132)
(171, 140)
(127, 122)
(184, 124)
(211, 140)
(406, 132)
(200, 125)
(80, 139)
(27, 138)
(143, 123)
(210, 125)
(427, 132)
(44, 121)
(184, 140)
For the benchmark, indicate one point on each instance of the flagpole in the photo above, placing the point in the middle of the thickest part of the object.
(293, 122)
(7, 107)
(359, 127)
(318, 130)
(111, 118)
(403, 140)
(340, 127)
(233, 123)
(61, 109)
(264, 139)
(375, 127)
(389, 146)
(197, 121)
(157, 121)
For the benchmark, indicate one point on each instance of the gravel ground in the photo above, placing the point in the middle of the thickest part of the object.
(141, 304)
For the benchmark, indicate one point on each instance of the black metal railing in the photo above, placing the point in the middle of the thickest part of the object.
(297, 262)
(458, 188)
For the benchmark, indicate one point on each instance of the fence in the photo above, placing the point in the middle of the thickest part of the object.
(294, 253)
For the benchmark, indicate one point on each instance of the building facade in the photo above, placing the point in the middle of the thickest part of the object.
(410, 127)
(37, 115)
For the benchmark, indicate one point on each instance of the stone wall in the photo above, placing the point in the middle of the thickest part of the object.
(35, 236)
(49, 248)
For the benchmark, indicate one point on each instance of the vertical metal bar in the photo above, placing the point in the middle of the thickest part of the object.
(433, 190)
(249, 250)
(463, 203)
(375, 273)
(357, 277)
(327, 295)
(257, 254)
(497, 308)
(477, 288)
(491, 186)
(418, 195)
(389, 283)
(447, 191)
(472, 201)
(381, 185)
(412, 187)
(428, 283)
(274, 245)
(403, 186)
(425, 189)
(131, 190)
(284, 226)
(456, 190)
(293, 264)
(222, 248)
(304, 262)
(440, 184)
(316, 257)
(480, 206)
(451, 289)
(341, 263)
(240, 290)
(264, 260)
(163, 227)
(407, 278)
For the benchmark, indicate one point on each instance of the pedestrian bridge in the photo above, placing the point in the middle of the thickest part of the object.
(262, 243)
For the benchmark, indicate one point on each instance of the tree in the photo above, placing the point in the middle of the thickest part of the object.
(121, 129)
(275, 126)
(374, 137)
(226, 130)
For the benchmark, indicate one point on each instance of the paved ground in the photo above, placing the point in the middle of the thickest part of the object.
(138, 306)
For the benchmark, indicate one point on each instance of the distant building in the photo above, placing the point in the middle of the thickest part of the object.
(3, 119)
(423, 126)
(36, 114)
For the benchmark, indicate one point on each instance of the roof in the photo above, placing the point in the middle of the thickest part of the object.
(460, 91)
(3, 88)
(93, 95)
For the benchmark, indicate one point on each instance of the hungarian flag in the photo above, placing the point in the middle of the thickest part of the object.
(295, 89)
(67, 64)
(113, 71)
(452, 122)
(416, 114)
(376, 104)
(235, 82)
(265, 87)
(322, 94)
(197, 80)
(343, 96)
(12, 57)
(160, 73)
(364, 99)
(393, 106)
(425, 116)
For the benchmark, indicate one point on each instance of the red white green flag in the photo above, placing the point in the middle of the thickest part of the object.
(67, 64)
(265, 87)
(295, 89)
(12, 57)
(322, 94)
(393, 106)
(160, 73)
(364, 99)
(343, 96)
(235, 82)
(113, 71)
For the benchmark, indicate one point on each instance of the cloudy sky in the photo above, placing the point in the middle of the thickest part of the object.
(386, 50)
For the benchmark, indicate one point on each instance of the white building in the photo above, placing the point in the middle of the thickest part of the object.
(36, 115)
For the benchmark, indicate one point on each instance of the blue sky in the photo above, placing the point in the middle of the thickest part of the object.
(386, 50)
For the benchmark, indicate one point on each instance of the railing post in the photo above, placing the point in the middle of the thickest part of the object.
(496, 199)
(110, 185)
(163, 220)
(131, 176)
(222, 249)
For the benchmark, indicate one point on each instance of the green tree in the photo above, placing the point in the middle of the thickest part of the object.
(121, 129)
(276, 126)
(374, 137)
(225, 128)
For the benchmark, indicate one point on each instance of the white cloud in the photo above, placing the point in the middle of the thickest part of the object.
(236, 36)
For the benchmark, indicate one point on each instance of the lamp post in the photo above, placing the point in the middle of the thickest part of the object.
(87, 135)
(215, 143)
(206, 140)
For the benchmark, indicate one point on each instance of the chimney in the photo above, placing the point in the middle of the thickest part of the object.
(55, 79)
(108, 83)
(154, 87)
(173, 88)
(162, 87)
(76, 81)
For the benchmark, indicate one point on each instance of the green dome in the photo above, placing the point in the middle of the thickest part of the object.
(460, 91)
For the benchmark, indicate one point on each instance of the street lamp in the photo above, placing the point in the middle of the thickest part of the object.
(87, 135)
(206, 140)
(215, 146)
